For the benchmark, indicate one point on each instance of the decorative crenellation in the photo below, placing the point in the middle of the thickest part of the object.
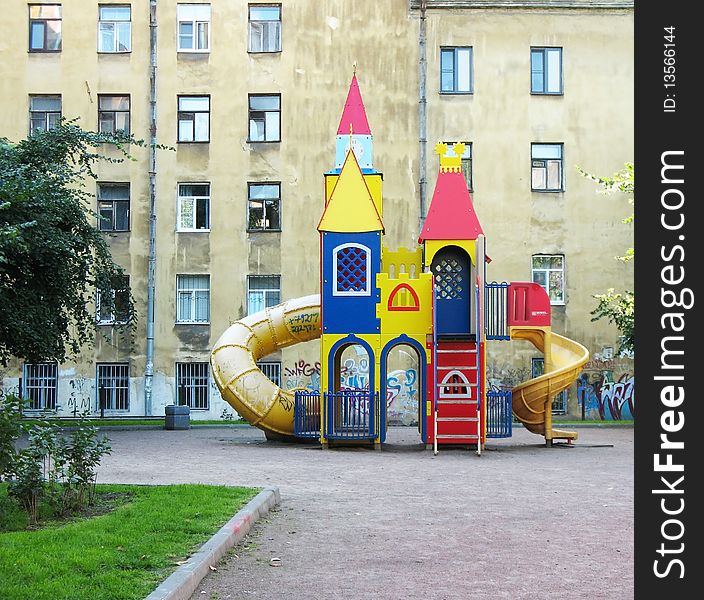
(450, 164)
(402, 261)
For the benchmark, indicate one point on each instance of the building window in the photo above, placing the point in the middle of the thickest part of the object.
(114, 114)
(264, 28)
(114, 206)
(44, 27)
(193, 27)
(44, 113)
(352, 270)
(114, 28)
(548, 270)
(456, 71)
(194, 118)
(559, 402)
(263, 291)
(466, 160)
(546, 70)
(271, 370)
(113, 386)
(40, 385)
(193, 298)
(546, 168)
(116, 309)
(264, 118)
(193, 207)
(192, 385)
(263, 206)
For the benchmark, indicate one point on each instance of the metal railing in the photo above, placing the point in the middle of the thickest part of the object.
(351, 415)
(499, 415)
(496, 311)
(306, 414)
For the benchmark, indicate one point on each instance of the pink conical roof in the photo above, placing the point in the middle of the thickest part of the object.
(451, 215)
(354, 113)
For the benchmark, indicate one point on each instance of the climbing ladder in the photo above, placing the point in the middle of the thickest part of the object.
(457, 382)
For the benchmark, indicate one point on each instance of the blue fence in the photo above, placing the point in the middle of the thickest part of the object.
(496, 311)
(351, 415)
(499, 415)
(306, 414)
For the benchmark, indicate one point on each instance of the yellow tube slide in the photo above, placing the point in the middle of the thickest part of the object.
(532, 399)
(234, 356)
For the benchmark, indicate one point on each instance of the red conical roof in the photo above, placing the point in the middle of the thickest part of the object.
(354, 113)
(451, 215)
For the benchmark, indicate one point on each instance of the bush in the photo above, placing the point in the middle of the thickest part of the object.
(55, 469)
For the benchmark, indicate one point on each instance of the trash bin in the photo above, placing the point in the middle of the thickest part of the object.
(177, 417)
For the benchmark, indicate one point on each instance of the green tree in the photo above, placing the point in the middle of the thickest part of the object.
(52, 257)
(618, 307)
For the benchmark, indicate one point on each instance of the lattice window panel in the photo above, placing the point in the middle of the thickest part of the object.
(448, 279)
(351, 270)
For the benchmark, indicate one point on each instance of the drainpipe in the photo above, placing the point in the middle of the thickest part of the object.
(422, 115)
(149, 367)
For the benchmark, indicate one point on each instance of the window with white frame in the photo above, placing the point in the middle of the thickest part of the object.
(546, 168)
(192, 385)
(194, 118)
(546, 71)
(559, 402)
(264, 28)
(263, 206)
(466, 160)
(114, 28)
(456, 70)
(114, 206)
(548, 271)
(113, 386)
(193, 27)
(44, 113)
(264, 118)
(44, 27)
(271, 370)
(193, 207)
(193, 298)
(351, 270)
(40, 383)
(263, 291)
(115, 309)
(114, 114)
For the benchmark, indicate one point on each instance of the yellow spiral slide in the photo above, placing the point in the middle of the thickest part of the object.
(532, 399)
(234, 362)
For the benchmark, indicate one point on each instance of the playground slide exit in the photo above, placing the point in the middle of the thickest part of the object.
(532, 399)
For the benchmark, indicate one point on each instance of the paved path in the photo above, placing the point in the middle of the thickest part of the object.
(520, 522)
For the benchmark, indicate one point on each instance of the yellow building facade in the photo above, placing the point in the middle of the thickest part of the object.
(249, 95)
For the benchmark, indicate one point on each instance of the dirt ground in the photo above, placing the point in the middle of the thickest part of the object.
(520, 522)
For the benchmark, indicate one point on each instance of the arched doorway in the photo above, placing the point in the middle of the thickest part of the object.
(403, 376)
(452, 271)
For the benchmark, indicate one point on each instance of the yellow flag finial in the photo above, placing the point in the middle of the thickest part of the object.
(449, 164)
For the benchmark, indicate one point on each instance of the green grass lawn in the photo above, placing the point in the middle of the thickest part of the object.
(121, 555)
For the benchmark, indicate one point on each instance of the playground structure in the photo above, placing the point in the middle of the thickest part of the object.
(433, 301)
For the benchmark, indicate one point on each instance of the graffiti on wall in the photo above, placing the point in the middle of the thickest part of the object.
(302, 375)
(402, 396)
(79, 398)
(605, 398)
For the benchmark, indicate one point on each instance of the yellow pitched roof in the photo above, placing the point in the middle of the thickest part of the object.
(351, 207)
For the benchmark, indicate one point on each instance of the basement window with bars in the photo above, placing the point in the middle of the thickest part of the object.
(113, 387)
(40, 384)
(192, 385)
(271, 370)
(559, 402)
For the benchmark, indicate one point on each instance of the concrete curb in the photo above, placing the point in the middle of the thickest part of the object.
(181, 584)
